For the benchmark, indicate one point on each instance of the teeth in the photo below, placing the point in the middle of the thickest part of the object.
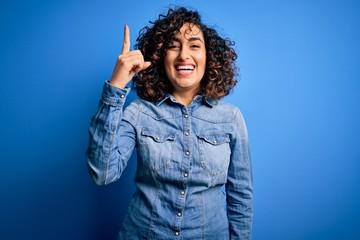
(185, 67)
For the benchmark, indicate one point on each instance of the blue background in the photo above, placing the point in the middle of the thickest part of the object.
(299, 92)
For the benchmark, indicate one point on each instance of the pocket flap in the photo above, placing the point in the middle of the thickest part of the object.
(158, 136)
(216, 139)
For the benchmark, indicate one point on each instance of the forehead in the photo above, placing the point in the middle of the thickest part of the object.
(190, 30)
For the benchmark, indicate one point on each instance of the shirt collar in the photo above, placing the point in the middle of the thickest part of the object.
(199, 98)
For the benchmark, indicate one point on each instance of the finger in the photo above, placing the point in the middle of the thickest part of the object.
(126, 44)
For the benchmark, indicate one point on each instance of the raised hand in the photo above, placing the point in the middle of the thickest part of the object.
(128, 63)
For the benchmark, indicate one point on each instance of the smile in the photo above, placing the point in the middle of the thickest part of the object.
(184, 69)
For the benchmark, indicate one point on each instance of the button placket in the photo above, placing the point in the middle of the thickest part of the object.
(185, 166)
(187, 144)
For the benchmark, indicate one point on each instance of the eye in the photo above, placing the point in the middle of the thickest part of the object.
(174, 46)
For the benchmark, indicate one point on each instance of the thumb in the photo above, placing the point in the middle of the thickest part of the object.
(137, 69)
(146, 65)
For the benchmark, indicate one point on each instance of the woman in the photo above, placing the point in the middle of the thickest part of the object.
(189, 143)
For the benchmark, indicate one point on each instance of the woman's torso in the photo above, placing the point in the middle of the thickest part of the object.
(183, 158)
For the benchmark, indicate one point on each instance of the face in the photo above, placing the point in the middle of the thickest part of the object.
(185, 60)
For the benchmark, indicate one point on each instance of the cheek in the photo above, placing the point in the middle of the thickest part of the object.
(167, 68)
(166, 64)
(168, 60)
(202, 62)
(202, 59)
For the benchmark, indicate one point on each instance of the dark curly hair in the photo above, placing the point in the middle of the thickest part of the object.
(152, 84)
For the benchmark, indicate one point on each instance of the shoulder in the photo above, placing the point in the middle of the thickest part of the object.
(154, 110)
(219, 112)
(230, 109)
(132, 111)
(226, 107)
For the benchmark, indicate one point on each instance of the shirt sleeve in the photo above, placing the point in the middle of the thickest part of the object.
(239, 184)
(111, 140)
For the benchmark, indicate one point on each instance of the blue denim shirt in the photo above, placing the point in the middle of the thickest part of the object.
(185, 156)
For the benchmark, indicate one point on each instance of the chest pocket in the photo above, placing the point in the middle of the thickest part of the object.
(214, 152)
(157, 148)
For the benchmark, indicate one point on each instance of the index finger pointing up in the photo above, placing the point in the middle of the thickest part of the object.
(126, 44)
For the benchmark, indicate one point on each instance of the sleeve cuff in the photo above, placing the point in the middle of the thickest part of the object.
(114, 96)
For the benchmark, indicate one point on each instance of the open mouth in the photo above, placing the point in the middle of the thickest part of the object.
(185, 69)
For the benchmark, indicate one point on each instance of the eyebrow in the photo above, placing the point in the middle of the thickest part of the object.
(192, 39)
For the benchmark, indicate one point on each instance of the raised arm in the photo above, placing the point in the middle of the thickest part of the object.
(111, 132)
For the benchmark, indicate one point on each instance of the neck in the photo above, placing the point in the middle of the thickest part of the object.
(184, 97)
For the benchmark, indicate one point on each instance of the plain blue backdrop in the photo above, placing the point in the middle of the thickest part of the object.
(299, 92)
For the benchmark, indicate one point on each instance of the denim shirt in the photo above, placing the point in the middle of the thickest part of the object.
(185, 156)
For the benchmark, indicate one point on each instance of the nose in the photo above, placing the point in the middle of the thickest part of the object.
(184, 53)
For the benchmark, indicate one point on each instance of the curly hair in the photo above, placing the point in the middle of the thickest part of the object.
(152, 84)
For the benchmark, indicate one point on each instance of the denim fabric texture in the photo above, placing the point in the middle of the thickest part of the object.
(185, 156)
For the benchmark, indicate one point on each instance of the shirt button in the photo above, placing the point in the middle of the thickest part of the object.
(157, 138)
(179, 214)
(215, 142)
(177, 233)
(122, 95)
(186, 116)
(187, 153)
(182, 192)
(186, 174)
(187, 133)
